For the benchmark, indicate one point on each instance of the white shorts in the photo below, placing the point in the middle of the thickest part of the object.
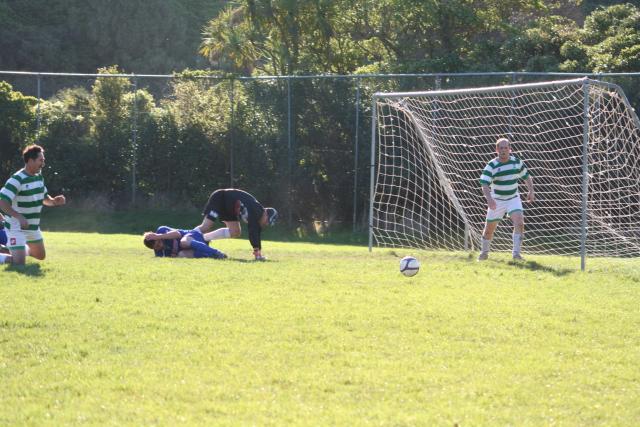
(18, 239)
(504, 207)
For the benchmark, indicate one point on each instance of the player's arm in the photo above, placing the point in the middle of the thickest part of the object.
(485, 180)
(6, 208)
(529, 183)
(524, 174)
(254, 238)
(487, 195)
(164, 233)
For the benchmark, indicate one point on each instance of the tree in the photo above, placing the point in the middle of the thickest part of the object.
(17, 120)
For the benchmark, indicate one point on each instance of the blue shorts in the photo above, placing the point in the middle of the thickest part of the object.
(3, 237)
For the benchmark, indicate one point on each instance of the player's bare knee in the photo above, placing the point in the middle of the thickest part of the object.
(185, 242)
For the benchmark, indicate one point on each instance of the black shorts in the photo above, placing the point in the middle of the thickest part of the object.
(220, 207)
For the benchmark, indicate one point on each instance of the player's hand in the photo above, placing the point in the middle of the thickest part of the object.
(59, 200)
(150, 236)
(491, 203)
(24, 224)
(531, 197)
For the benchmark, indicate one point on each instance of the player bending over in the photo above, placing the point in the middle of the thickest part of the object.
(502, 174)
(230, 206)
(172, 242)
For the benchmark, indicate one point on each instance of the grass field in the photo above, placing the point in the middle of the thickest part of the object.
(102, 333)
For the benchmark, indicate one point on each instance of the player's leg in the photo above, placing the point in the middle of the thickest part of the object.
(487, 235)
(36, 250)
(516, 214)
(494, 216)
(35, 245)
(518, 233)
(17, 245)
(185, 253)
(232, 229)
(211, 211)
(206, 225)
(195, 241)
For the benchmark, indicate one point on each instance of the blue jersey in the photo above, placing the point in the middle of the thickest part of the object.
(3, 236)
(171, 246)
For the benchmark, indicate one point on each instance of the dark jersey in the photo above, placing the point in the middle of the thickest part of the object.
(234, 205)
(171, 246)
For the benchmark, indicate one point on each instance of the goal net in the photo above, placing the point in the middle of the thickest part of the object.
(580, 141)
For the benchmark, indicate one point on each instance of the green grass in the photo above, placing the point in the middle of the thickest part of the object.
(102, 333)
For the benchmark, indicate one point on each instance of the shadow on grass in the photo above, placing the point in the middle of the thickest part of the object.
(536, 266)
(249, 261)
(32, 270)
(471, 258)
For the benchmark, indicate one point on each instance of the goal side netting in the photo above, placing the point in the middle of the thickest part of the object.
(580, 140)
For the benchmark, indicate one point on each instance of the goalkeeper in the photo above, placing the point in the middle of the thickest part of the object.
(499, 181)
(230, 206)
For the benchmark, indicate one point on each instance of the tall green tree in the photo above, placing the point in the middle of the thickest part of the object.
(17, 120)
(143, 36)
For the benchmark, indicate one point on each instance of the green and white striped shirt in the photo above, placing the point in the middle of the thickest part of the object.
(26, 194)
(503, 177)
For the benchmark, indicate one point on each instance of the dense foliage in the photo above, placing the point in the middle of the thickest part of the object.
(175, 143)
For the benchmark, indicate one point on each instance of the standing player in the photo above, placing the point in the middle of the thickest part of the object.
(172, 242)
(230, 206)
(503, 174)
(21, 200)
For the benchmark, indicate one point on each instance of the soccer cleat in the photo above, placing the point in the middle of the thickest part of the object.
(483, 256)
(517, 257)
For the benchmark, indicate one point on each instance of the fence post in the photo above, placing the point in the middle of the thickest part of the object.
(134, 140)
(38, 115)
(289, 151)
(232, 135)
(585, 172)
(355, 161)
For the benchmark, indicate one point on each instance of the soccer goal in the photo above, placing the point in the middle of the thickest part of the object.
(580, 140)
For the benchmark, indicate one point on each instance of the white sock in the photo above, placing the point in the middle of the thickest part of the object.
(485, 245)
(220, 233)
(517, 243)
(3, 258)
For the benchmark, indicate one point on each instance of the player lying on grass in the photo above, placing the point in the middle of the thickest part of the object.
(230, 206)
(172, 242)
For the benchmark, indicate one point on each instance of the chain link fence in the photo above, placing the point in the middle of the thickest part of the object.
(300, 143)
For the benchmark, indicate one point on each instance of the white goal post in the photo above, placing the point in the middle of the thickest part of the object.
(580, 140)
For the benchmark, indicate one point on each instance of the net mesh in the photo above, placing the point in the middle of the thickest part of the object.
(432, 148)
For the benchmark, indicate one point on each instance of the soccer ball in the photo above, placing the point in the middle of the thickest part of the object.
(409, 266)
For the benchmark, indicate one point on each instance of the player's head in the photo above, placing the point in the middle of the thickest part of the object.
(503, 148)
(272, 215)
(156, 245)
(33, 156)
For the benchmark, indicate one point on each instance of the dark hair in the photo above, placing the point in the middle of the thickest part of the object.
(31, 152)
(148, 243)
